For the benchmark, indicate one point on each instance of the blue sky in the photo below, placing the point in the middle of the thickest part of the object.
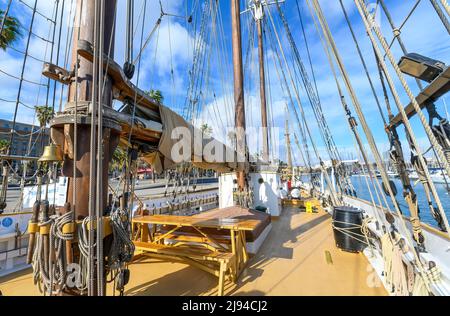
(172, 49)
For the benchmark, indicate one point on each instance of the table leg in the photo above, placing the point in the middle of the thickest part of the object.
(244, 246)
(144, 233)
(222, 272)
(235, 263)
(239, 254)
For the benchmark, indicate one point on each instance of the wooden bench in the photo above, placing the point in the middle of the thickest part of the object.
(219, 257)
(199, 257)
(192, 237)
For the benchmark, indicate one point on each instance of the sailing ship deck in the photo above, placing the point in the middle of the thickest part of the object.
(292, 261)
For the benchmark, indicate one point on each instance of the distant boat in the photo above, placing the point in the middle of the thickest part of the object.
(392, 174)
(413, 175)
(440, 177)
(437, 176)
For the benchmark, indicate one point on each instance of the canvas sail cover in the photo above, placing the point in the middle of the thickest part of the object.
(181, 142)
(143, 122)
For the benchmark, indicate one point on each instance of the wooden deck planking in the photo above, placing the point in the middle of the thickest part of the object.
(292, 261)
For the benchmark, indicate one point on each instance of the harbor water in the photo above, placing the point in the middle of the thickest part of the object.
(360, 184)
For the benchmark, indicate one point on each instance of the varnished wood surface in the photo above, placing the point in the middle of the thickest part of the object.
(439, 87)
(188, 221)
(194, 253)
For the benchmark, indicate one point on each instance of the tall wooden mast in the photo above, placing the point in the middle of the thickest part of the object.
(81, 93)
(259, 14)
(238, 88)
(288, 145)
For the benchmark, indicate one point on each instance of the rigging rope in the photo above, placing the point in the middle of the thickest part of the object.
(364, 64)
(31, 145)
(446, 6)
(93, 251)
(396, 153)
(58, 50)
(22, 79)
(69, 42)
(196, 70)
(351, 120)
(441, 15)
(286, 91)
(328, 180)
(300, 15)
(19, 93)
(128, 67)
(38, 12)
(397, 36)
(122, 248)
(409, 14)
(100, 148)
(433, 140)
(5, 16)
(148, 39)
(344, 181)
(366, 129)
(23, 53)
(312, 96)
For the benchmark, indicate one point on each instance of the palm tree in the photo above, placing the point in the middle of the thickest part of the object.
(206, 129)
(4, 145)
(232, 139)
(119, 159)
(156, 95)
(44, 114)
(11, 30)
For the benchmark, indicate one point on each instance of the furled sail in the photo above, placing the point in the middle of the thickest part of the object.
(156, 129)
(203, 153)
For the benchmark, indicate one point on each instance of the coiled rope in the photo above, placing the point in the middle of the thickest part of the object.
(441, 15)
(350, 232)
(57, 240)
(85, 250)
(122, 248)
(51, 271)
(394, 270)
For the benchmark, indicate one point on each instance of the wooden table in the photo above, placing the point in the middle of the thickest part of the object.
(146, 233)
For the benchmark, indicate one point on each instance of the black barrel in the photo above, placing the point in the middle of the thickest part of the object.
(347, 223)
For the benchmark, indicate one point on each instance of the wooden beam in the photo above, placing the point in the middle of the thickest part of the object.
(439, 87)
(124, 88)
(57, 73)
(18, 158)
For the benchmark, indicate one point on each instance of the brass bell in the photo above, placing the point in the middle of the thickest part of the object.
(52, 153)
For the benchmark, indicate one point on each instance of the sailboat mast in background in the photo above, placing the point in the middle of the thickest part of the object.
(238, 89)
(258, 13)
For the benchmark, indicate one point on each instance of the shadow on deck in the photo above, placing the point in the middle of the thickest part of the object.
(291, 262)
